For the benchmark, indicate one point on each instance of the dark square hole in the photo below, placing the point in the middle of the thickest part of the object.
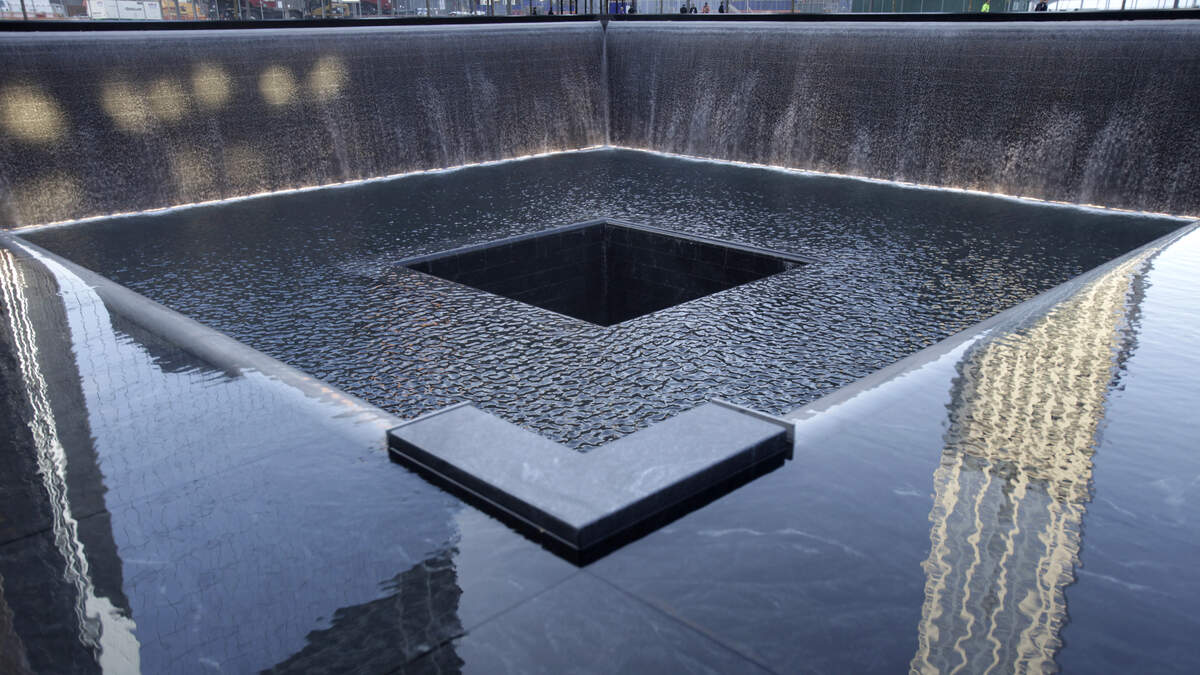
(603, 271)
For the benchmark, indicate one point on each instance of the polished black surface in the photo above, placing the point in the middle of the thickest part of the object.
(602, 272)
(312, 280)
(1019, 500)
(212, 536)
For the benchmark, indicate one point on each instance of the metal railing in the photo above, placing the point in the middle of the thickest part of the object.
(299, 10)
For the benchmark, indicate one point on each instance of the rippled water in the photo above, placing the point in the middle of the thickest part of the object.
(311, 279)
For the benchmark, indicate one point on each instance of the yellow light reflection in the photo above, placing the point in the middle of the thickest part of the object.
(1014, 482)
(327, 78)
(125, 106)
(245, 169)
(52, 194)
(195, 174)
(210, 86)
(30, 115)
(168, 100)
(277, 85)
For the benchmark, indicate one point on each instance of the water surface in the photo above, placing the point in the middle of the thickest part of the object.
(311, 279)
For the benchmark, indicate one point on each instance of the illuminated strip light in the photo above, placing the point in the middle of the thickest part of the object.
(102, 625)
(593, 148)
(305, 188)
(905, 184)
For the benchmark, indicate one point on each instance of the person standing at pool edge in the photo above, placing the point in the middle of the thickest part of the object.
(986, 7)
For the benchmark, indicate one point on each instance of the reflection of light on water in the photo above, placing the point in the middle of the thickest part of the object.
(125, 106)
(168, 100)
(1013, 484)
(30, 115)
(245, 168)
(277, 85)
(52, 192)
(327, 78)
(495, 162)
(306, 188)
(194, 172)
(103, 626)
(210, 85)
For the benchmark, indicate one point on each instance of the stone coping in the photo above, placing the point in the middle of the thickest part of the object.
(580, 503)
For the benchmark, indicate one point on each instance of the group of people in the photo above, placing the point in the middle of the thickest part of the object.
(687, 8)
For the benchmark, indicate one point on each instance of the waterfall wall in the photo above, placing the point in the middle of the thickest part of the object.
(97, 123)
(1101, 112)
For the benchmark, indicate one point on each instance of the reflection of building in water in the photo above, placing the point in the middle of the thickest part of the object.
(1013, 483)
(52, 476)
(418, 615)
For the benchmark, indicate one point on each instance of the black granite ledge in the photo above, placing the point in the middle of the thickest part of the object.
(582, 506)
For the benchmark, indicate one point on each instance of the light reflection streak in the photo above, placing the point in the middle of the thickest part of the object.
(103, 626)
(125, 106)
(591, 148)
(29, 114)
(327, 78)
(277, 85)
(1014, 481)
(211, 85)
(168, 100)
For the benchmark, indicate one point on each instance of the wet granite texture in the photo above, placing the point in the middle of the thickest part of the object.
(601, 272)
(579, 500)
(311, 279)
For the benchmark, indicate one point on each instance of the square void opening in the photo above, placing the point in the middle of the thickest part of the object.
(604, 272)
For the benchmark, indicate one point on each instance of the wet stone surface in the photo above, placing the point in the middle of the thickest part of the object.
(312, 280)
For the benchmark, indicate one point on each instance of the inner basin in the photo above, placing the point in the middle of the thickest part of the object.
(316, 280)
(604, 272)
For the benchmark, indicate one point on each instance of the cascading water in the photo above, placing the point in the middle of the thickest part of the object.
(1095, 112)
(94, 123)
(1088, 112)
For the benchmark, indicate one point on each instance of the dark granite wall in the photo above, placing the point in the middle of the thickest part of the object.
(561, 271)
(99, 123)
(1100, 112)
(648, 271)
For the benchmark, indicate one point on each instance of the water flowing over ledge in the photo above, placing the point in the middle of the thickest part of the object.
(1080, 112)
